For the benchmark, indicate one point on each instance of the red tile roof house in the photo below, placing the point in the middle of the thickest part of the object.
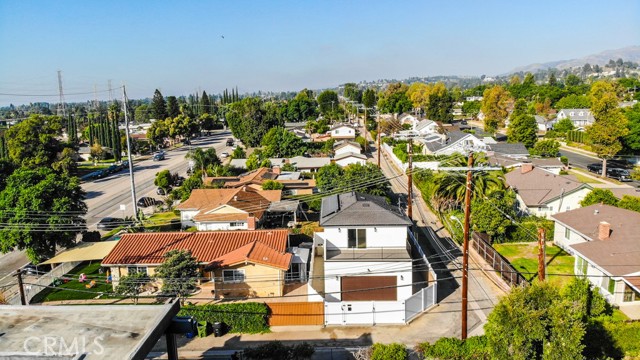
(605, 241)
(242, 208)
(231, 263)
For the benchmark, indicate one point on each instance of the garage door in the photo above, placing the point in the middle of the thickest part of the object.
(366, 288)
(296, 313)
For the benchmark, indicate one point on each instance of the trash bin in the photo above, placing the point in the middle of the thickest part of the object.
(218, 329)
(203, 329)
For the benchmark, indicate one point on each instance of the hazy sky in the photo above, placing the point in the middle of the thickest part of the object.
(177, 46)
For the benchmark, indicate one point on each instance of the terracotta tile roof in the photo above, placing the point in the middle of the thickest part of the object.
(255, 178)
(620, 253)
(255, 252)
(538, 187)
(251, 201)
(206, 246)
(226, 217)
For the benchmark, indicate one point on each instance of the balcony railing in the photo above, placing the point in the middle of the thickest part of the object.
(367, 254)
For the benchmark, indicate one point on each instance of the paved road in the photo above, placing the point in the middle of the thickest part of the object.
(581, 161)
(104, 196)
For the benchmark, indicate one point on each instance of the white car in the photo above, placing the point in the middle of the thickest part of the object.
(224, 155)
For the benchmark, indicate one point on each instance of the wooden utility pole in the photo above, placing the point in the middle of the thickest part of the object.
(410, 182)
(542, 250)
(23, 300)
(465, 247)
(366, 131)
(379, 147)
(129, 155)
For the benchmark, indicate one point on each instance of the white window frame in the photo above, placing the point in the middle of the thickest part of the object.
(137, 269)
(237, 276)
(567, 233)
(236, 223)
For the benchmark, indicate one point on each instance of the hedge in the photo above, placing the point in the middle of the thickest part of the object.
(393, 351)
(474, 348)
(248, 318)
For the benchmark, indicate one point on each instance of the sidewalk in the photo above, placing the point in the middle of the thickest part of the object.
(564, 146)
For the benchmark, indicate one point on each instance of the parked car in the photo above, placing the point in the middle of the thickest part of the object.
(148, 201)
(230, 142)
(595, 168)
(158, 157)
(178, 181)
(30, 269)
(163, 192)
(619, 174)
(110, 223)
(224, 155)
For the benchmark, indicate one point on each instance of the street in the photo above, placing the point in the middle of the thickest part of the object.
(581, 161)
(104, 196)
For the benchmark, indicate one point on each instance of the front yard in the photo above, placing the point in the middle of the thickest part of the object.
(73, 289)
(524, 258)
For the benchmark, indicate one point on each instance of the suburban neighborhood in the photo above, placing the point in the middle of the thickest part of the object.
(290, 210)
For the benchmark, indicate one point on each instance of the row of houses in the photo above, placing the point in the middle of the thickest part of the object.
(360, 264)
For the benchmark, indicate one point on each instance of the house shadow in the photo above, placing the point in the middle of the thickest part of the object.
(92, 194)
(441, 253)
(363, 340)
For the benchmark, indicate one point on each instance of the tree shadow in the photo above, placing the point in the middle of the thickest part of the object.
(599, 344)
(92, 194)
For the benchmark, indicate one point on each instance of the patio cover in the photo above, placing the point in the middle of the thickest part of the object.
(84, 252)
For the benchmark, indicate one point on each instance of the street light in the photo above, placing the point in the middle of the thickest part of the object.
(453, 217)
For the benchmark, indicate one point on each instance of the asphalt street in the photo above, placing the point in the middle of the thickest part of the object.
(581, 161)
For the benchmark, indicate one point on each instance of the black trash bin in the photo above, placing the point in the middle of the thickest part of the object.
(218, 329)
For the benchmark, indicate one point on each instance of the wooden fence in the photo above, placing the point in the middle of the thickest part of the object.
(499, 263)
(296, 313)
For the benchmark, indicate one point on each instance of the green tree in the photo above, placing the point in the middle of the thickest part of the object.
(610, 125)
(546, 148)
(494, 106)
(132, 285)
(39, 211)
(272, 185)
(352, 92)
(158, 106)
(395, 99)
(522, 127)
(599, 196)
(366, 178)
(65, 162)
(329, 177)
(471, 108)
(440, 104)
(573, 101)
(142, 113)
(238, 153)
(535, 322)
(253, 162)
(205, 103)
(632, 139)
(173, 109)
(203, 158)
(163, 179)
(328, 103)
(563, 126)
(34, 141)
(630, 203)
(279, 142)
(157, 132)
(490, 215)
(369, 98)
(178, 272)
(97, 153)
(248, 120)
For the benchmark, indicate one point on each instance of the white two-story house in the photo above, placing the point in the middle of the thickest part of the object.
(580, 118)
(368, 272)
(343, 131)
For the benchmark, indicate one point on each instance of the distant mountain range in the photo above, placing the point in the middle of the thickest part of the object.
(631, 53)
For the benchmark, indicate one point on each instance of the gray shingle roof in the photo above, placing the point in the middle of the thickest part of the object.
(538, 187)
(620, 254)
(358, 209)
(509, 149)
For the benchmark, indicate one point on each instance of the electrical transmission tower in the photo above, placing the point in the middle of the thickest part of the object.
(61, 108)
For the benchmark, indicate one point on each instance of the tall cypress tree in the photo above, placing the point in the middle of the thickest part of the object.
(205, 105)
(91, 130)
(158, 106)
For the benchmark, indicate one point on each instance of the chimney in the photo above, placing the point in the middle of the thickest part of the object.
(604, 229)
(276, 170)
(251, 223)
(526, 167)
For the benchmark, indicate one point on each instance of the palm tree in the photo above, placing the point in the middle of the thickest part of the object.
(203, 158)
(450, 187)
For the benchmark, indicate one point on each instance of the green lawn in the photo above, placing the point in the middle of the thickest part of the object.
(66, 290)
(524, 258)
(583, 178)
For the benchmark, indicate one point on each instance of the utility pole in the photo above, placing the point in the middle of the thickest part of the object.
(379, 148)
(23, 300)
(410, 181)
(61, 107)
(366, 132)
(130, 157)
(542, 252)
(110, 91)
(465, 247)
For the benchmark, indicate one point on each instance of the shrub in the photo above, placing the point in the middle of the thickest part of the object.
(276, 350)
(473, 348)
(393, 351)
(249, 318)
(564, 160)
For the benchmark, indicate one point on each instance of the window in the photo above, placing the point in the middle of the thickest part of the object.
(232, 276)
(611, 287)
(567, 233)
(357, 238)
(582, 266)
(137, 269)
(236, 224)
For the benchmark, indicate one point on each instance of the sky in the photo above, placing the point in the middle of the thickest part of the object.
(181, 47)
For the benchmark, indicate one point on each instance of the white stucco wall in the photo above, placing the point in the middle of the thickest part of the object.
(389, 236)
(562, 241)
(350, 160)
(364, 313)
(347, 149)
(568, 202)
(221, 226)
(343, 132)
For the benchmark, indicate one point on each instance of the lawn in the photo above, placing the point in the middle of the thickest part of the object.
(583, 178)
(164, 221)
(524, 258)
(68, 290)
